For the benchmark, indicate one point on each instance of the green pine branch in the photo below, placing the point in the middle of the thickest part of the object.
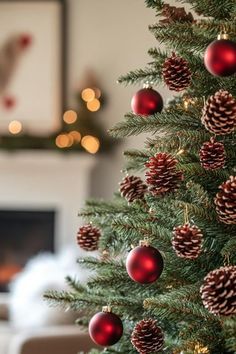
(173, 120)
(229, 250)
(188, 41)
(155, 4)
(74, 284)
(229, 332)
(64, 299)
(140, 76)
(99, 208)
(218, 9)
(165, 306)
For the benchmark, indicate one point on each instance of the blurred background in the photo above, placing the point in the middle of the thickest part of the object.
(59, 65)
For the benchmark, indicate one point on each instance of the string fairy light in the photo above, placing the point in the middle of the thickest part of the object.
(15, 127)
(93, 105)
(88, 94)
(75, 135)
(70, 116)
(90, 143)
(64, 141)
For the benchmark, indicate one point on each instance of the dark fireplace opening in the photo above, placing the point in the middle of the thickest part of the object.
(23, 234)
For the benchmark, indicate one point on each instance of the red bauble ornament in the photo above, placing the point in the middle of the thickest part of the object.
(105, 328)
(220, 57)
(146, 102)
(144, 263)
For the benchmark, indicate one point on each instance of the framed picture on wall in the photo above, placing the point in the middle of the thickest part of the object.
(32, 61)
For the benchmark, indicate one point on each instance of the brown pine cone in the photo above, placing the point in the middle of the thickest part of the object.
(176, 73)
(187, 241)
(175, 14)
(219, 113)
(218, 291)
(163, 177)
(132, 188)
(212, 155)
(225, 201)
(147, 337)
(88, 237)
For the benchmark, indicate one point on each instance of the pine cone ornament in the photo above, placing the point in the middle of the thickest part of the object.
(212, 155)
(219, 113)
(175, 14)
(225, 201)
(218, 291)
(147, 337)
(163, 176)
(132, 188)
(176, 73)
(87, 237)
(187, 241)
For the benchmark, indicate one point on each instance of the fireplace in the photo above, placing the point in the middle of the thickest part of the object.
(23, 234)
(39, 183)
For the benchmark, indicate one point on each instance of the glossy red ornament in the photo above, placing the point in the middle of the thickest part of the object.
(220, 57)
(144, 264)
(146, 102)
(105, 328)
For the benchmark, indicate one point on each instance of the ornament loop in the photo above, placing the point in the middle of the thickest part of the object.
(223, 35)
(186, 219)
(147, 85)
(145, 242)
(227, 259)
(106, 308)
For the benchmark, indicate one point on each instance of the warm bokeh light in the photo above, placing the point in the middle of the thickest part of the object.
(75, 135)
(70, 117)
(186, 104)
(71, 140)
(93, 105)
(64, 141)
(90, 143)
(88, 94)
(189, 101)
(15, 127)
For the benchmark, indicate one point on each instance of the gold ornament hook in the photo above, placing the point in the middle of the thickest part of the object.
(148, 85)
(223, 35)
(227, 259)
(186, 219)
(144, 242)
(106, 308)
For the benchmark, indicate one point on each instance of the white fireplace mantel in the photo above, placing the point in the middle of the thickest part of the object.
(41, 180)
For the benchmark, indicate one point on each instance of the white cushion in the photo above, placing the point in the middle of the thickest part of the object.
(44, 272)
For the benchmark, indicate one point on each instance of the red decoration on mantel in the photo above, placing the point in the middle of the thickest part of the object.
(105, 328)
(147, 101)
(25, 40)
(8, 102)
(144, 263)
(220, 57)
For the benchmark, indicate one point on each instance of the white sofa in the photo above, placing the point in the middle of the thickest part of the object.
(63, 339)
(27, 324)
(53, 340)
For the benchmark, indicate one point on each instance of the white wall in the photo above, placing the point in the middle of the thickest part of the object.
(42, 180)
(111, 37)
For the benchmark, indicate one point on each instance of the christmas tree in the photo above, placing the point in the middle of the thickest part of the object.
(167, 241)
